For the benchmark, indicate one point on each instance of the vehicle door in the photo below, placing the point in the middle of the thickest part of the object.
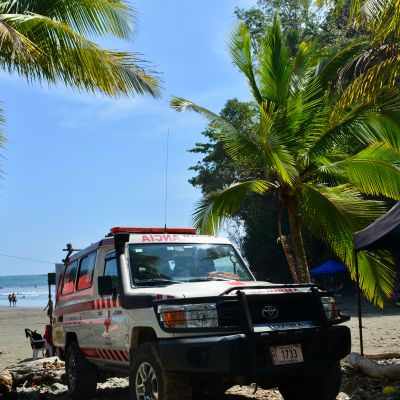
(110, 332)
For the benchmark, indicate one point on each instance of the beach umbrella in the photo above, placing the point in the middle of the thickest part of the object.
(383, 233)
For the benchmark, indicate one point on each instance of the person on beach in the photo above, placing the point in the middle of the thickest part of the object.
(49, 308)
(14, 299)
(10, 298)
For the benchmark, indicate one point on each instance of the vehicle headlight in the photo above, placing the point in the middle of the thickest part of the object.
(189, 315)
(331, 310)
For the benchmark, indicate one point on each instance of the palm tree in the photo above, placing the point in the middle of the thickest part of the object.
(325, 162)
(379, 64)
(46, 41)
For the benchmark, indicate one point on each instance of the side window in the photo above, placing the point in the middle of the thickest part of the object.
(110, 269)
(69, 278)
(85, 274)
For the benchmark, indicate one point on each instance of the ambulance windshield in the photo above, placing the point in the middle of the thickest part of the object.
(172, 263)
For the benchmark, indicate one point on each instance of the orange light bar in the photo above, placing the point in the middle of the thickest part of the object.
(186, 231)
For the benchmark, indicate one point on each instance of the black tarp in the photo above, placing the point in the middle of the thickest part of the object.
(385, 230)
(383, 233)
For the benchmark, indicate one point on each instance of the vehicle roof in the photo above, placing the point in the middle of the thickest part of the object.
(147, 236)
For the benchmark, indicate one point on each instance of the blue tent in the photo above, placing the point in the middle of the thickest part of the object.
(329, 267)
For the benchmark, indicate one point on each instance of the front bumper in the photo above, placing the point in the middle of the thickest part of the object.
(231, 355)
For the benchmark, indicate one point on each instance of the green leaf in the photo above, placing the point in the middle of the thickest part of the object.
(87, 17)
(239, 45)
(275, 66)
(333, 215)
(211, 210)
(69, 57)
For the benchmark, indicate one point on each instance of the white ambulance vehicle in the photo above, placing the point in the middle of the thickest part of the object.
(183, 316)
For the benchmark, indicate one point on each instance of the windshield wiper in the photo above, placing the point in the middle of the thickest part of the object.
(208, 278)
(156, 280)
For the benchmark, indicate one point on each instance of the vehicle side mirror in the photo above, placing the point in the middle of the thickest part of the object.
(104, 284)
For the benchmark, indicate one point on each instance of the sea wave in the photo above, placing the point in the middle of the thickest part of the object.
(26, 294)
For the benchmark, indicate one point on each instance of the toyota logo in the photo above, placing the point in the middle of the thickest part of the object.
(269, 312)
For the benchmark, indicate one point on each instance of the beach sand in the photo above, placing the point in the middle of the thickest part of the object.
(14, 346)
(380, 329)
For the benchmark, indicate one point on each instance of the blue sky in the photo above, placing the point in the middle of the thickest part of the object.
(76, 164)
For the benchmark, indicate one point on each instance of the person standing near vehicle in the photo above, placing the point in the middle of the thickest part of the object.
(49, 308)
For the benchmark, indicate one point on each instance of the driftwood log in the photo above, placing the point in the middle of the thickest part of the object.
(44, 371)
(373, 369)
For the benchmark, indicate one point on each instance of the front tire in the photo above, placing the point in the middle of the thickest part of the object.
(148, 380)
(314, 387)
(81, 374)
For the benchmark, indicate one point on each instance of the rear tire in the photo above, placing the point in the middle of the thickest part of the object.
(314, 387)
(148, 378)
(81, 374)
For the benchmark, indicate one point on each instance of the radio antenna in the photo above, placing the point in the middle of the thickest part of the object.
(166, 183)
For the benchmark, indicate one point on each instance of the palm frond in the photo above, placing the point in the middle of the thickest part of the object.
(374, 119)
(236, 144)
(276, 155)
(180, 104)
(364, 61)
(87, 17)
(385, 127)
(336, 58)
(239, 45)
(14, 44)
(365, 88)
(71, 58)
(211, 210)
(306, 117)
(275, 66)
(372, 176)
(382, 18)
(332, 215)
(377, 274)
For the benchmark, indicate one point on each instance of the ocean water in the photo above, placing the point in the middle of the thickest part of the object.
(31, 290)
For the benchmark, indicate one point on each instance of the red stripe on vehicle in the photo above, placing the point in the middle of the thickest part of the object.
(109, 354)
(124, 355)
(102, 355)
(118, 355)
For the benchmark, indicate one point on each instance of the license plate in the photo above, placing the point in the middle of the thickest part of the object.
(289, 354)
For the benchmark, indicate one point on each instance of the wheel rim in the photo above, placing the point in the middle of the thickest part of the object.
(71, 371)
(146, 383)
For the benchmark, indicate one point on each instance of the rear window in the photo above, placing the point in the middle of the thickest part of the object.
(69, 278)
(85, 275)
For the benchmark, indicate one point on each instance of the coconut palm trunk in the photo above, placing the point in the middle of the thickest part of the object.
(298, 245)
(287, 248)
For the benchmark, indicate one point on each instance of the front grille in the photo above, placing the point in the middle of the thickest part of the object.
(291, 308)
